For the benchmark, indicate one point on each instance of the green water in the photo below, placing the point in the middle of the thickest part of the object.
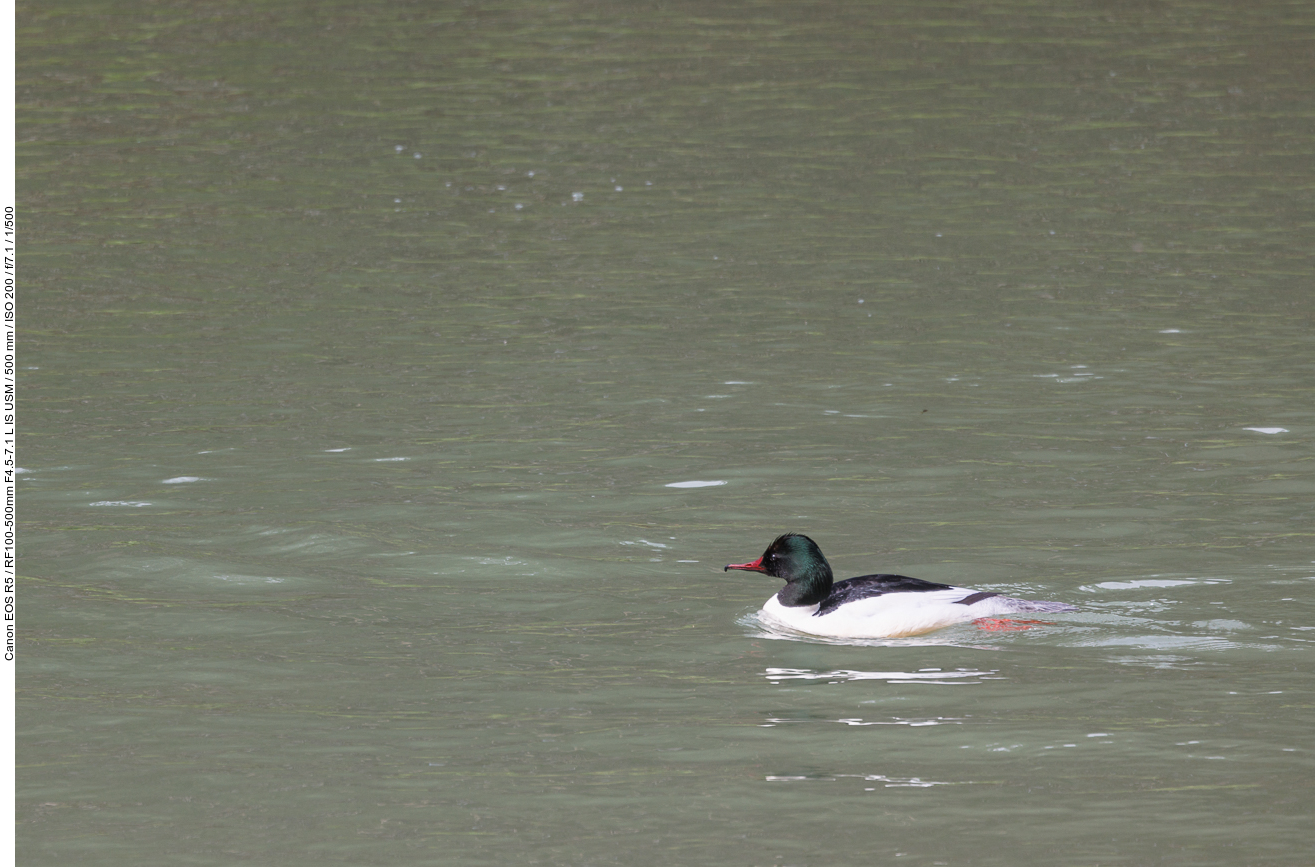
(348, 534)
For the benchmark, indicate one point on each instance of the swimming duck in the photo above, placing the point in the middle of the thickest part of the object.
(870, 606)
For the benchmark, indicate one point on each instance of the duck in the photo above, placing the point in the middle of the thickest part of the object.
(869, 606)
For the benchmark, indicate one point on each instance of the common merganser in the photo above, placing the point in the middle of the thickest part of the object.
(870, 606)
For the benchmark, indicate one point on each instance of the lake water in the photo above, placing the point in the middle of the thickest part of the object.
(366, 347)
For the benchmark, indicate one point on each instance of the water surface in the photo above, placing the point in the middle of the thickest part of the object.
(372, 351)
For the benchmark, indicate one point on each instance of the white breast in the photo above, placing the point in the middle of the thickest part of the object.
(892, 615)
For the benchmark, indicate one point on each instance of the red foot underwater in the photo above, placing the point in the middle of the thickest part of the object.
(1004, 624)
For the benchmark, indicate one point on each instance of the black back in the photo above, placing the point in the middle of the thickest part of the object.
(867, 586)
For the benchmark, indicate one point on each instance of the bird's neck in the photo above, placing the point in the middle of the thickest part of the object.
(808, 589)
